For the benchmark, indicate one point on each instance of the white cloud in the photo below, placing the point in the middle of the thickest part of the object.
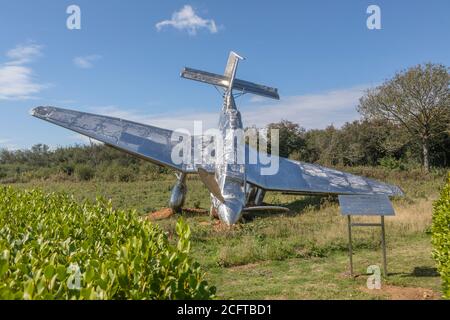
(7, 144)
(187, 19)
(16, 79)
(16, 83)
(23, 54)
(311, 111)
(86, 62)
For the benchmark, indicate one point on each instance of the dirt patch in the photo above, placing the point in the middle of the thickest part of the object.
(164, 213)
(244, 267)
(219, 226)
(404, 293)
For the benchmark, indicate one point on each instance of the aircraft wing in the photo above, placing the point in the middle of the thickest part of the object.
(145, 141)
(155, 145)
(304, 178)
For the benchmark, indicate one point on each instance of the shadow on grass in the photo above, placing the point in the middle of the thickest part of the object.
(308, 202)
(418, 272)
(424, 272)
(296, 207)
(194, 212)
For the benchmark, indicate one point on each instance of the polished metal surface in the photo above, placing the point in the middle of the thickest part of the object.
(366, 205)
(259, 198)
(178, 195)
(305, 178)
(233, 185)
(230, 69)
(209, 180)
(150, 143)
(229, 173)
(222, 81)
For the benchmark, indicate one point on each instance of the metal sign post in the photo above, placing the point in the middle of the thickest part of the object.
(366, 205)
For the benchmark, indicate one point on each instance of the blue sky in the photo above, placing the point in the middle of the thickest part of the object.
(125, 60)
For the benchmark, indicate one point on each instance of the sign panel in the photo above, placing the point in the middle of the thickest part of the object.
(366, 205)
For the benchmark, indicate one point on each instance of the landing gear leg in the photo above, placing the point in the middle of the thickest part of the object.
(255, 196)
(259, 198)
(178, 195)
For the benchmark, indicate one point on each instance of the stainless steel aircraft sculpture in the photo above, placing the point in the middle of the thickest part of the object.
(234, 187)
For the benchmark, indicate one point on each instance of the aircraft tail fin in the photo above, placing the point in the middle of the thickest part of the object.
(228, 80)
(230, 70)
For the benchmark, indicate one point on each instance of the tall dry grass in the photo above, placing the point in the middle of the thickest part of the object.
(318, 232)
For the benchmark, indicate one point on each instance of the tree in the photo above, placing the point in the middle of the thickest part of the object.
(418, 99)
(321, 146)
(291, 137)
(367, 142)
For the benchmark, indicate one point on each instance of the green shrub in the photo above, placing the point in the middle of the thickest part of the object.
(54, 248)
(124, 174)
(441, 237)
(84, 172)
(116, 173)
(67, 169)
(3, 173)
(392, 163)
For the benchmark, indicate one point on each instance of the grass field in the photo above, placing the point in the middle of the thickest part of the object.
(300, 255)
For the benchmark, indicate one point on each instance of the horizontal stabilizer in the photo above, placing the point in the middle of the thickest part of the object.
(224, 82)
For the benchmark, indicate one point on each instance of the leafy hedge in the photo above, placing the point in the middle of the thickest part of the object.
(441, 237)
(54, 248)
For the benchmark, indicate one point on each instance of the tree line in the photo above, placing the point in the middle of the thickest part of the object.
(405, 123)
(358, 143)
(78, 162)
(406, 120)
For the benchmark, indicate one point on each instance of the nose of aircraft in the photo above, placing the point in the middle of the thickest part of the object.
(230, 212)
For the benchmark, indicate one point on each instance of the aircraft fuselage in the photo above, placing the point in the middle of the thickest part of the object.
(230, 173)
